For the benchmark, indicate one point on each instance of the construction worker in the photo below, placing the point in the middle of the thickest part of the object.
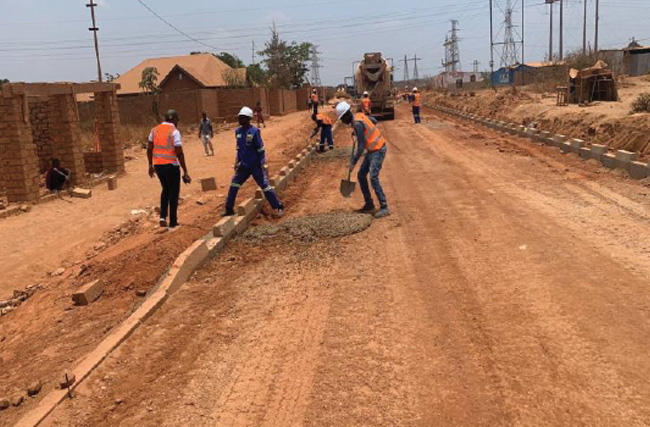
(250, 160)
(370, 140)
(165, 154)
(417, 103)
(325, 123)
(56, 177)
(314, 101)
(206, 134)
(365, 103)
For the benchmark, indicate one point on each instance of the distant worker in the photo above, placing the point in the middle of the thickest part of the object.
(365, 103)
(206, 134)
(259, 115)
(325, 123)
(370, 140)
(314, 101)
(417, 103)
(56, 177)
(166, 158)
(250, 160)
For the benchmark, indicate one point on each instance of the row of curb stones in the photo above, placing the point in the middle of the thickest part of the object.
(209, 246)
(620, 159)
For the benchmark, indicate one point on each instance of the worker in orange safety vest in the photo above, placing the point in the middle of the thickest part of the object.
(166, 158)
(324, 122)
(314, 101)
(370, 140)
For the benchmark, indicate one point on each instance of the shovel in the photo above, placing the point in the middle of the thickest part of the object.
(347, 186)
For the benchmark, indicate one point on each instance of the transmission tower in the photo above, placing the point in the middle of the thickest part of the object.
(452, 52)
(509, 55)
(315, 67)
(416, 75)
(475, 65)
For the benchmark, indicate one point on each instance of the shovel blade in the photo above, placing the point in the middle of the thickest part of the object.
(347, 188)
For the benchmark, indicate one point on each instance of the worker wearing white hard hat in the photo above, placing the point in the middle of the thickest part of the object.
(366, 104)
(314, 101)
(370, 140)
(250, 160)
(417, 103)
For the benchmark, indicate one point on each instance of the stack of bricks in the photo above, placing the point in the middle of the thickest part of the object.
(93, 162)
(38, 115)
(18, 160)
(66, 135)
(108, 126)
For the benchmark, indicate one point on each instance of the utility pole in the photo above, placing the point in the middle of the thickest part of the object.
(253, 52)
(94, 29)
(584, 30)
(475, 65)
(550, 32)
(491, 41)
(406, 69)
(561, 30)
(315, 67)
(597, 19)
(452, 52)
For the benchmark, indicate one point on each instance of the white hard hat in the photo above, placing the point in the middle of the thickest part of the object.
(313, 90)
(415, 89)
(341, 109)
(246, 112)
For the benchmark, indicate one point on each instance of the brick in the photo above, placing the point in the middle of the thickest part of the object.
(638, 170)
(82, 193)
(259, 194)
(208, 184)
(559, 139)
(565, 147)
(623, 158)
(112, 183)
(215, 245)
(247, 206)
(88, 293)
(188, 262)
(608, 160)
(241, 223)
(597, 151)
(284, 171)
(224, 227)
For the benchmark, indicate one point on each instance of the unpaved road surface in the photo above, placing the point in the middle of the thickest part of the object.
(508, 288)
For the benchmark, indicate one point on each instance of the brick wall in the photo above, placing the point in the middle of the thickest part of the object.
(93, 162)
(174, 83)
(276, 103)
(39, 119)
(289, 99)
(18, 161)
(107, 119)
(302, 98)
(137, 109)
(66, 134)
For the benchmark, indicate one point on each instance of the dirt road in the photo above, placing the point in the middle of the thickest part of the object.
(508, 288)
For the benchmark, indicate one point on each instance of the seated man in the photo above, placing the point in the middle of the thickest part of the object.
(56, 177)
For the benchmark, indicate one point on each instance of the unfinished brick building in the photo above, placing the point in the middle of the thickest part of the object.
(39, 121)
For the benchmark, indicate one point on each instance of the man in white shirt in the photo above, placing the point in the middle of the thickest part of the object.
(206, 134)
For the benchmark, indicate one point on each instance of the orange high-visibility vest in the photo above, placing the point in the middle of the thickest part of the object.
(326, 119)
(374, 139)
(366, 105)
(164, 152)
(417, 100)
(314, 98)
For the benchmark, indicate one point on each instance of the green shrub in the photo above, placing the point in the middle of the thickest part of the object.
(642, 104)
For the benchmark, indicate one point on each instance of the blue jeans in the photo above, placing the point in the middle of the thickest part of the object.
(372, 163)
(241, 175)
(326, 134)
(416, 114)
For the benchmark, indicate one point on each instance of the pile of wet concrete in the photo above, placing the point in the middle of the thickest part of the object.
(335, 154)
(308, 229)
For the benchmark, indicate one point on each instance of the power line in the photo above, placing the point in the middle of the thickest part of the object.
(173, 27)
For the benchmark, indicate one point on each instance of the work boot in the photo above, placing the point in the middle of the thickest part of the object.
(228, 212)
(367, 208)
(163, 222)
(382, 212)
(279, 212)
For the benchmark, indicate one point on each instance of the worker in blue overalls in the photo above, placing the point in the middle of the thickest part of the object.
(250, 160)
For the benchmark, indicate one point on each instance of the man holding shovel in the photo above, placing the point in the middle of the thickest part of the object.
(370, 140)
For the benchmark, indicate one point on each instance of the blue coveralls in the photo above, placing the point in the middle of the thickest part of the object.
(251, 158)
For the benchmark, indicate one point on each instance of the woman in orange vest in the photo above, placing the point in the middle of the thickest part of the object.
(417, 103)
(325, 123)
(166, 158)
(370, 140)
(366, 104)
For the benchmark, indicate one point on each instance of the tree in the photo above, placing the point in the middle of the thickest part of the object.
(149, 87)
(3, 81)
(255, 74)
(286, 63)
(233, 77)
(231, 60)
(111, 77)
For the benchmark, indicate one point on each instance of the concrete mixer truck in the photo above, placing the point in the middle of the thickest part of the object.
(374, 75)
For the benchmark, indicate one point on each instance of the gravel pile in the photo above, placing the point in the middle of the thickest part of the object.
(310, 228)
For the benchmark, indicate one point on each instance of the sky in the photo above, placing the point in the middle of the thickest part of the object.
(48, 40)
